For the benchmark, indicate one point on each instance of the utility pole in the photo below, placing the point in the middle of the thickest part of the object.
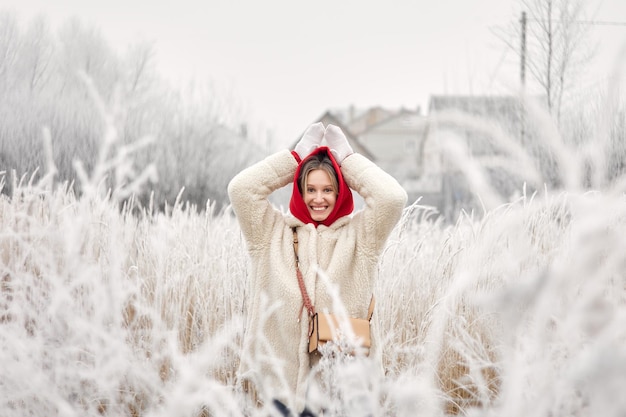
(522, 76)
(523, 51)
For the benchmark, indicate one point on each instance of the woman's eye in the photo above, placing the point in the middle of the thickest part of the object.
(328, 190)
(310, 190)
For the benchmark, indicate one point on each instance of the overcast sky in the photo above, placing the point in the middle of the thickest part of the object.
(287, 61)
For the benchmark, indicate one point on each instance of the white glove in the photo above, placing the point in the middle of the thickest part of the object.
(310, 140)
(338, 143)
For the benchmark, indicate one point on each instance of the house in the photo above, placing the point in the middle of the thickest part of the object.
(396, 141)
(360, 120)
(408, 145)
(482, 125)
(401, 148)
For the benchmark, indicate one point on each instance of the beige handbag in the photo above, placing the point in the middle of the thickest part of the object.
(324, 327)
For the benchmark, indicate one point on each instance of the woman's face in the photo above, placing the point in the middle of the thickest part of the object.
(319, 195)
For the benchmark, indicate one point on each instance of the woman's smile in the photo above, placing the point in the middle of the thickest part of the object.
(319, 195)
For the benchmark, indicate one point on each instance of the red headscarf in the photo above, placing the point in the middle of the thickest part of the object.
(344, 204)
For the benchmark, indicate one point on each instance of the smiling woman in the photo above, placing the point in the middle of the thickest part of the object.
(321, 248)
(318, 179)
(320, 195)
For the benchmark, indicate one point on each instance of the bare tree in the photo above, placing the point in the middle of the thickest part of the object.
(197, 143)
(554, 36)
(9, 46)
(560, 35)
(36, 53)
(84, 50)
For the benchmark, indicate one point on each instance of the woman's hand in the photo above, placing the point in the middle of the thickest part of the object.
(311, 139)
(338, 143)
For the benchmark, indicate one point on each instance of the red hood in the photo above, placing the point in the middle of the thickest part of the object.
(343, 206)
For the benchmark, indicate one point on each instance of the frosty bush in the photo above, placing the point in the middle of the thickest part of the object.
(108, 313)
(197, 141)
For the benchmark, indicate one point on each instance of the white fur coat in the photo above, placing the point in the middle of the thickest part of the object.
(275, 356)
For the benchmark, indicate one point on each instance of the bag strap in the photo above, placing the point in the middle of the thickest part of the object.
(370, 310)
(306, 300)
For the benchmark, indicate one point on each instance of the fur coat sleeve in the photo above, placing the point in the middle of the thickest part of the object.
(384, 201)
(249, 192)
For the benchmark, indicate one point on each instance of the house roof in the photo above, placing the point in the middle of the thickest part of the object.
(412, 119)
(366, 119)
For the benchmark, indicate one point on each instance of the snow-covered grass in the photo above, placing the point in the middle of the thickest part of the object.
(105, 312)
(107, 308)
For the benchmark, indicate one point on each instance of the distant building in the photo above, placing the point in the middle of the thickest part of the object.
(481, 124)
(401, 148)
(408, 145)
(396, 141)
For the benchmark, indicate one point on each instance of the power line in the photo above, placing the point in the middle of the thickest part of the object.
(600, 23)
(582, 22)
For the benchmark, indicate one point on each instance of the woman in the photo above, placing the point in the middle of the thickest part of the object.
(344, 247)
